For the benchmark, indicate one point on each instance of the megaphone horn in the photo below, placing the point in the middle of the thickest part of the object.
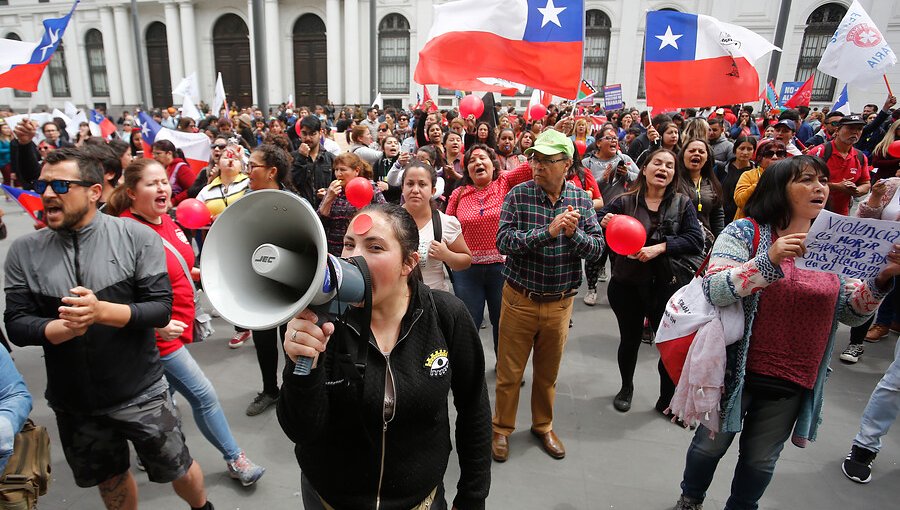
(265, 259)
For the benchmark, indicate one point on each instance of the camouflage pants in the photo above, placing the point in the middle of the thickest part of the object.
(96, 447)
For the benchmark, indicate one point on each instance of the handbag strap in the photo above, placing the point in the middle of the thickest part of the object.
(184, 266)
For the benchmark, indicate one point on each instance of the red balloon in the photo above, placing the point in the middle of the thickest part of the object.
(359, 192)
(894, 149)
(625, 235)
(537, 111)
(580, 147)
(471, 105)
(192, 213)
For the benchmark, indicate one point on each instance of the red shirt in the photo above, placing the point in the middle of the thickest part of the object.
(182, 292)
(478, 211)
(589, 184)
(792, 325)
(843, 169)
(181, 178)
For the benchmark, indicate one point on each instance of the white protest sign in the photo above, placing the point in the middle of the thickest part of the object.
(851, 247)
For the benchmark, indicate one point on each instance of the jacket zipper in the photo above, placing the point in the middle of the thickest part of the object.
(389, 372)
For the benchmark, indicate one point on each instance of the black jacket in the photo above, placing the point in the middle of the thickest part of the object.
(310, 176)
(123, 262)
(340, 430)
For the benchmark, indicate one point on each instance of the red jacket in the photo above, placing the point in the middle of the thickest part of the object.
(181, 177)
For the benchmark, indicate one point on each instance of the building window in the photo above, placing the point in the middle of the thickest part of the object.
(15, 37)
(820, 26)
(59, 76)
(393, 55)
(596, 46)
(93, 44)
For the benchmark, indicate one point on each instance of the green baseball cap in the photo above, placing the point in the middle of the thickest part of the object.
(552, 142)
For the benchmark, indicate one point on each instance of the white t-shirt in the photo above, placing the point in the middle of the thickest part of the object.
(433, 270)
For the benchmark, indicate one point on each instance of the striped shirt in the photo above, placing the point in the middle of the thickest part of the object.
(536, 260)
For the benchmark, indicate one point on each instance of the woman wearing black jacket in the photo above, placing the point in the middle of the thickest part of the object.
(698, 181)
(744, 148)
(381, 439)
(641, 283)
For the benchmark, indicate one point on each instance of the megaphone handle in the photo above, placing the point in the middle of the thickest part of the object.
(304, 363)
(303, 366)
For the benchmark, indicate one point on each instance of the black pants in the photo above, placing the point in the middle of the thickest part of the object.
(631, 303)
(266, 342)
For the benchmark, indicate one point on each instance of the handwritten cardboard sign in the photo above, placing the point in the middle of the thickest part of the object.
(851, 247)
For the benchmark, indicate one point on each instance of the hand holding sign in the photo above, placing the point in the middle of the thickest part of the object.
(787, 246)
(852, 247)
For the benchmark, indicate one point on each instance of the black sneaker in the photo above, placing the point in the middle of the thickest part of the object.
(262, 402)
(647, 335)
(858, 464)
(852, 353)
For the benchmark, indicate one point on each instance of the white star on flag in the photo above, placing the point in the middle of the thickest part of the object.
(146, 131)
(54, 36)
(668, 39)
(551, 14)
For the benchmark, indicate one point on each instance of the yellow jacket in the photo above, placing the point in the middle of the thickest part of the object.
(746, 185)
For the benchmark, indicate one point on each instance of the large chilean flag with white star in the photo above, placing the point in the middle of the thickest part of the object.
(697, 60)
(22, 63)
(538, 43)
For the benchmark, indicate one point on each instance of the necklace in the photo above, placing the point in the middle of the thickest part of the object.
(699, 204)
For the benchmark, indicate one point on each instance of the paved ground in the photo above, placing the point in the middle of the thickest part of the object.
(623, 461)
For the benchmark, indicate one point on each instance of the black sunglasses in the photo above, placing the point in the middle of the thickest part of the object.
(59, 186)
(218, 146)
(769, 154)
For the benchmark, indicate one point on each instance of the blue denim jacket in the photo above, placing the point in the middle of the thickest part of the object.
(15, 405)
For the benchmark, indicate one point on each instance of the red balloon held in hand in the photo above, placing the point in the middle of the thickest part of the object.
(471, 105)
(359, 192)
(580, 147)
(625, 235)
(894, 149)
(537, 112)
(192, 213)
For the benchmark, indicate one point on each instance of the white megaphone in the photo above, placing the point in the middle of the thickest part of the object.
(265, 259)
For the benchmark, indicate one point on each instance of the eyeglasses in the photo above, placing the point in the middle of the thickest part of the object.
(219, 146)
(769, 154)
(535, 161)
(59, 186)
(610, 139)
(257, 165)
(835, 123)
(382, 129)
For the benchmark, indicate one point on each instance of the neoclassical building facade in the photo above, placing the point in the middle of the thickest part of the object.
(319, 50)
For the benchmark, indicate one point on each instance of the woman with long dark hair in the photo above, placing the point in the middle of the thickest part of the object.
(742, 161)
(696, 167)
(641, 284)
(775, 374)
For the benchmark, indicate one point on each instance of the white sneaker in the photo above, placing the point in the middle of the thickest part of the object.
(590, 298)
(603, 276)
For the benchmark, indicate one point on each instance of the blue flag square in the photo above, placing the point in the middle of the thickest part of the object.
(555, 21)
(671, 36)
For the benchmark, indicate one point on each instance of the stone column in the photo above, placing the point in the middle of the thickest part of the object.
(111, 54)
(173, 39)
(335, 37)
(274, 53)
(127, 59)
(189, 45)
(352, 35)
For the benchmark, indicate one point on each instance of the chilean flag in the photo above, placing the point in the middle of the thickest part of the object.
(106, 126)
(538, 43)
(195, 146)
(27, 200)
(697, 60)
(22, 63)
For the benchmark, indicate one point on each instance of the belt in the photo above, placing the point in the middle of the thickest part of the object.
(540, 297)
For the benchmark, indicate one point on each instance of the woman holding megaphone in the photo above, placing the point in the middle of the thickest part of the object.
(641, 282)
(380, 436)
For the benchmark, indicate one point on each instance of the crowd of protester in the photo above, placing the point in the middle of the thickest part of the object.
(500, 213)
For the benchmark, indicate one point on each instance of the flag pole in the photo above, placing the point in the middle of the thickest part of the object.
(888, 85)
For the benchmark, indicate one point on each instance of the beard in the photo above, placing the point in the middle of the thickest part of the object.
(71, 218)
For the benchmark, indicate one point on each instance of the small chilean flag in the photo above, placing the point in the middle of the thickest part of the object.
(22, 63)
(696, 60)
(538, 43)
(28, 200)
(106, 126)
(195, 146)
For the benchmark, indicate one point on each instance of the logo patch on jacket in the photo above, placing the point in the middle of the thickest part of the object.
(438, 363)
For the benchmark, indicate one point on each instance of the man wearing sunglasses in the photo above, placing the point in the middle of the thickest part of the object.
(826, 132)
(90, 290)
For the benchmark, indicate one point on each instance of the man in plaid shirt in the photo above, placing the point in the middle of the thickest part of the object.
(547, 226)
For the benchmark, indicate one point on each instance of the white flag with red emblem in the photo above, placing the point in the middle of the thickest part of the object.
(857, 53)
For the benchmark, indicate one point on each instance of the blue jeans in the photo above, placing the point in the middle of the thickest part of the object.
(882, 409)
(479, 284)
(767, 424)
(185, 377)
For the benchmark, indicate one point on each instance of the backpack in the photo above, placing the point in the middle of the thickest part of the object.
(828, 150)
(27, 474)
